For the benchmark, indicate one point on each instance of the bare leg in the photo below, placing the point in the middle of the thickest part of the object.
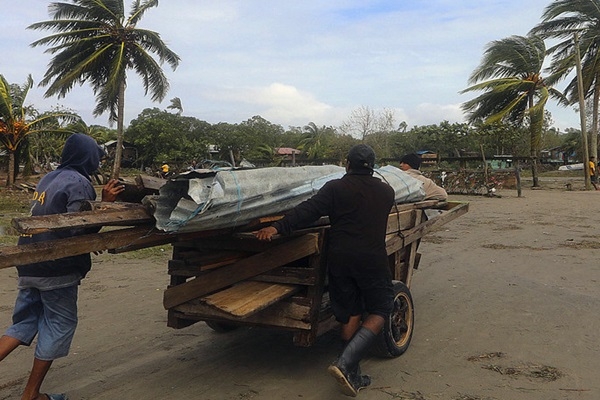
(7, 345)
(36, 377)
(374, 323)
(350, 327)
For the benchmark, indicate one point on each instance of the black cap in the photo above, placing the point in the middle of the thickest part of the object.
(411, 159)
(361, 156)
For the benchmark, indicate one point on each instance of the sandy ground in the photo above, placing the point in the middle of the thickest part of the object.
(506, 301)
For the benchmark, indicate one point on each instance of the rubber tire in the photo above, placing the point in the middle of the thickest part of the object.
(221, 327)
(396, 334)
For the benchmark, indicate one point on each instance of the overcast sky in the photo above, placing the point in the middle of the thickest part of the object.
(294, 62)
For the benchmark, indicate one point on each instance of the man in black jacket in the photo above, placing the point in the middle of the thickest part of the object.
(358, 205)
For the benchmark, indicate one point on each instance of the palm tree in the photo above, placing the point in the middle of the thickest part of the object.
(95, 42)
(17, 122)
(513, 88)
(315, 141)
(176, 105)
(561, 20)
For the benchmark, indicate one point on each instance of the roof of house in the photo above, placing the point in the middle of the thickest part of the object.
(285, 151)
(114, 143)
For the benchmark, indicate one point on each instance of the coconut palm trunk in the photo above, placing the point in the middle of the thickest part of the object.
(10, 176)
(536, 125)
(594, 132)
(120, 131)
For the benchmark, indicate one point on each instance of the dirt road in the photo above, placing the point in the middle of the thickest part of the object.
(507, 302)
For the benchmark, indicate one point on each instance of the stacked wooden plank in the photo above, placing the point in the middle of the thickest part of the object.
(278, 284)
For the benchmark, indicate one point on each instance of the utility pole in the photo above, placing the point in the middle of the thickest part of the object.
(584, 142)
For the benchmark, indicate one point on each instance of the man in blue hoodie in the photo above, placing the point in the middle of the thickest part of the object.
(46, 303)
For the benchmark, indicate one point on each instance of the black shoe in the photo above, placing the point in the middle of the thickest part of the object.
(350, 382)
(346, 369)
(364, 380)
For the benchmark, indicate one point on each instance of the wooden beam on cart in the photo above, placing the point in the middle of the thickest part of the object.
(93, 215)
(249, 297)
(241, 270)
(405, 237)
(285, 314)
(116, 241)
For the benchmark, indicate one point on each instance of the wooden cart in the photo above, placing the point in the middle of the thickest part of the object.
(234, 279)
(230, 278)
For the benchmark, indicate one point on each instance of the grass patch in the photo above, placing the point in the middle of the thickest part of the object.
(13, 203)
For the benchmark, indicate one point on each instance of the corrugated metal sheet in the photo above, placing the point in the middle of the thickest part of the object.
(199, 200)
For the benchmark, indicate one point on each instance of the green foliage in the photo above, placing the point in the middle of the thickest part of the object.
(561, 20)
(19, 123)
(161, 136)
(513, 89)
(96, 42)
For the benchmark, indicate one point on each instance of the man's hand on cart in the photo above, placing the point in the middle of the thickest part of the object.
(266, 233)
(111, 190)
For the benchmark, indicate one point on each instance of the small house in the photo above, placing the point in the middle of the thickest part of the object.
(128, 156)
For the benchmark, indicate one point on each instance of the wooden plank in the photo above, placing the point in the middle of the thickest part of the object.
(248, 298)
(241, 270)
(401, 221)
(200, 258)
(315, 293)
(284, 314)
(157, 238)
(54, 249)
(289, 275)
(124, 214)
(117, 241)
(396, 242)
(150, 183)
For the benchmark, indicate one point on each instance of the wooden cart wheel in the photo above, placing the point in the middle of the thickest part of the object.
(395, 337)
(221, 327)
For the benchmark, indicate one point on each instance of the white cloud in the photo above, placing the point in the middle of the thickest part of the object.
(299, 62)
(444, 112)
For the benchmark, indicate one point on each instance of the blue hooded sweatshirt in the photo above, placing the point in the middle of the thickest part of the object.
(60, 191)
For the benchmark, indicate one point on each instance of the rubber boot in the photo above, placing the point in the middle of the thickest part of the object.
(346, 368)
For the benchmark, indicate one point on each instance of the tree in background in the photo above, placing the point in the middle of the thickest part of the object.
(176, 105)
(94, 42)
(316, 141)
(561, 20)
(510, 76)
(164, 137)
(18, 121)
(365, 121)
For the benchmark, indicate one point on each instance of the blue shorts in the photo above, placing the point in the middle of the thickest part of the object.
(51, 315)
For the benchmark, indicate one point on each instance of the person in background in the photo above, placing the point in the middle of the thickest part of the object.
(593, 171)
(410, 163)
(164, 170)
(193, 165)
(360, 282)
(46, 304)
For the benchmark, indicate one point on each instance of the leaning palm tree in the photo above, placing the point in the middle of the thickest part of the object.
(513, 88)
(176, 105)
(17, 121)
(94, 42)
(561, 20)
